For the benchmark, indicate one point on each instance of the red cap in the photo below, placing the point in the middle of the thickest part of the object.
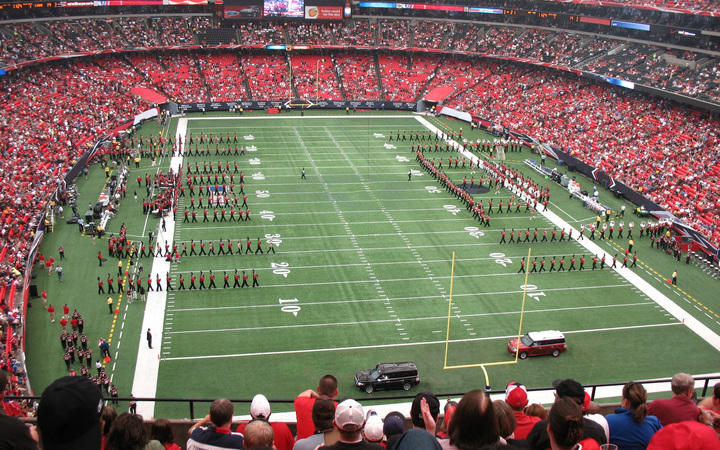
(516, 395)
(689, 435)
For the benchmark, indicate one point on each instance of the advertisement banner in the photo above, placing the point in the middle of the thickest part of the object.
(242, 9)
(187, 2)
(323, 12)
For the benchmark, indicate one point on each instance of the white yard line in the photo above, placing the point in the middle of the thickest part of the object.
(396, 345)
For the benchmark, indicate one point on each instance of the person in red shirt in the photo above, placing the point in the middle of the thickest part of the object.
(260, 410)
(245, 278)
(303, 404)
(516, 397)
(680, 407)
(51, 312)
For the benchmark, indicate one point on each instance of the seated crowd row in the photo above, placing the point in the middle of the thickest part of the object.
(327, 422)
(691, 74)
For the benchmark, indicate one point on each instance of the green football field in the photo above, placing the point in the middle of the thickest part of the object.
(363, 273)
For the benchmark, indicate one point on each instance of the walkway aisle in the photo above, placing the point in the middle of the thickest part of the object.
(147, 366)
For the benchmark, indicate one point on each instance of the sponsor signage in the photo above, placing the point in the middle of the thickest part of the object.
(323, 12)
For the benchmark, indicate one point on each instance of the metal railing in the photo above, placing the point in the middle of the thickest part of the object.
(702, 383)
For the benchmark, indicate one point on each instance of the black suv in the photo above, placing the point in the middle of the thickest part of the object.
(402, 375)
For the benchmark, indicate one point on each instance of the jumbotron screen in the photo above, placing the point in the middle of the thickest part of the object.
(296, 9)
(284, 8)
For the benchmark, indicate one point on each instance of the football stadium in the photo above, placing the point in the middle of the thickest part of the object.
(218, 211)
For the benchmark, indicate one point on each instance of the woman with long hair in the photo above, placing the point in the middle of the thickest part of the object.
(631, 427)
(565, 427)
(162, 432)
(128, 433)
(107, 417)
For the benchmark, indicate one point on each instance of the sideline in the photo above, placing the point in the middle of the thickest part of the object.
(653, 293)
(147, 366)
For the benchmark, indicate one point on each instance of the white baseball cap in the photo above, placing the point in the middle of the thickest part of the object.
(349, 416)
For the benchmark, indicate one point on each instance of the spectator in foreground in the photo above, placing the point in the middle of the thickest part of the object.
(393, 427)
(15, 434)
(516, 396)
(536, 410)
(214, 429)
(591, 411)
(260, 410)
(373, 431)
(630, 426)
(304, 402)
(565, 426)
(473, 424)
(538, 436)
(161, 431)
(323, 413)
(350, 420)
(448, 410)
(416, 411)
(712, 406)
(258, 435)
(688, 435)
(107, 417)
(69, 414)
(680, 407)
(417, 439)
(128, 433)
(506, 424)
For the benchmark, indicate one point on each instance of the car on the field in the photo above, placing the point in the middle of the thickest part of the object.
(536, 343)
(401, 375)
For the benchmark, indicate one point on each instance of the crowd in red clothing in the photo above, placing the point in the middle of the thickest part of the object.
(314, 77)
(359, 76)
(690, 5)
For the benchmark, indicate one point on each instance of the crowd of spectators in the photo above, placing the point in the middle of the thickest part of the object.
(223, 72)
(641, 63)
(689, 5)
(404, 80)
(356, 32)
(559, 110)
(253, 33)
(358, 75)
(462, 38)
(329, 421)
(393, 33)
(430, 34)
(172, 31)
(314, 77)
(662, 150)
(136, 32)
(267, 77)
(312, 33)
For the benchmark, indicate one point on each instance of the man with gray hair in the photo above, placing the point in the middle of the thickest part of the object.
(680, 407)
